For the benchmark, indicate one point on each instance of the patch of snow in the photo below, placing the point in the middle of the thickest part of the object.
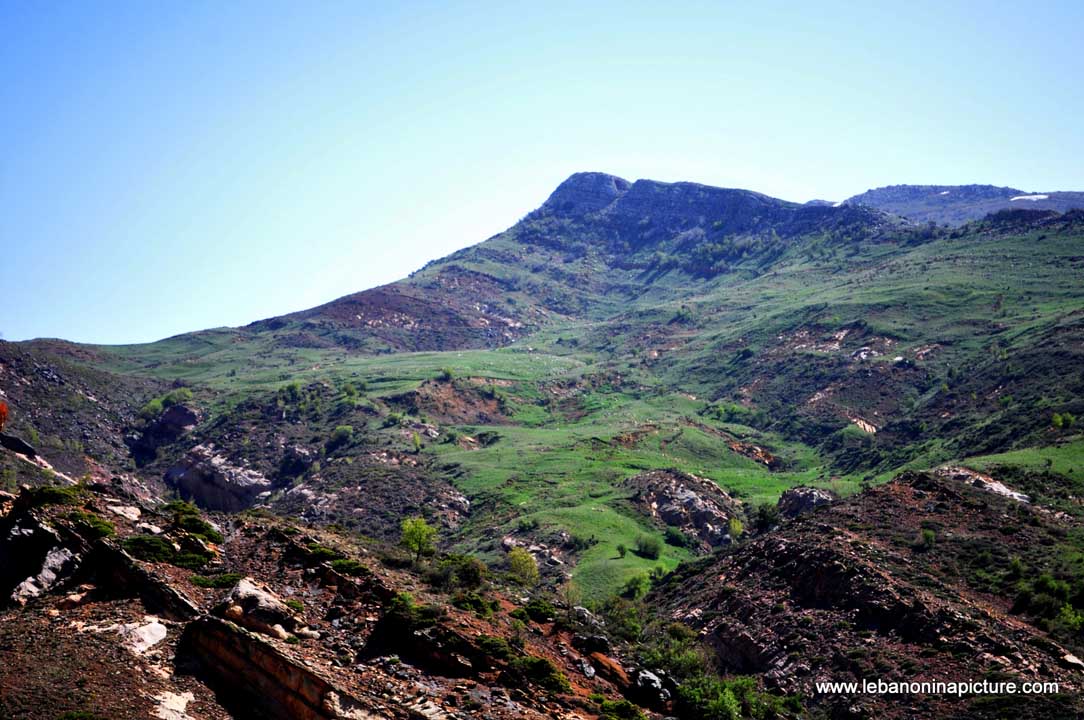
(943, 192)
(838, 204)
(1032, 198)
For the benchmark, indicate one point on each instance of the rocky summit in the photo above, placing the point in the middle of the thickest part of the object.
(659, 450)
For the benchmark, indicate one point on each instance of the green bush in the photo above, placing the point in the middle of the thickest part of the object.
(541, 672)
(648, 547)
(294, 604)
(224, 580)
(186, 516)
(349, 566)
(320, 553)
(494, 647)
(476, 603)
(636, 586)
(55, 495)
(619, 710)
(340, 436)
(540, 610)
(149, 548)
(677, 538)
(91, 525)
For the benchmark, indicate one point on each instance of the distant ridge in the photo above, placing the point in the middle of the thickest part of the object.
(959, 204)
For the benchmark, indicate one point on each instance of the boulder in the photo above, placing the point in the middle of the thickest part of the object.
(17, 445)
(257, 608)
(695, 505)
(800, 500)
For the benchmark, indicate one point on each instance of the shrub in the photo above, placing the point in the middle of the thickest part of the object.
(621, 550)
(619, 710)
(541, 672)
(151, 410)
(54, 495)
(294, 604)
(523, 567)
(92, 525)
(476, 603)
(321, 553)
(735, 528)
(924, 540)
(3, 414)
(149, 548)
(349, 566)
(445, 375)
(677, 538)
(458, 571)
(494, 647)
(540, 610)
(340, 436)
(636, 587)
(648, 547)
(224, 580)
(186, 516)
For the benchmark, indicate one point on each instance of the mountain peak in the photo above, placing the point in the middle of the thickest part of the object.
(586, 192)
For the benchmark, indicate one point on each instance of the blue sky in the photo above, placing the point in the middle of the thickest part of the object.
(173, 166)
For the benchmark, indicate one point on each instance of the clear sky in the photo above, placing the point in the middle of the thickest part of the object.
(172, 166)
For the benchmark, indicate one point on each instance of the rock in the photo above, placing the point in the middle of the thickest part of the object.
(609, 669)
(695, 505)
(125, 511)
(58, 563)
(214, 483)
(296, 460)
(172, 706)
(591, 643)
(263, 680)
(1072, 661)
(33, 558)
(585, 617)
(649, 688)
(141, 637)
(257, 608)
(800, 500)
(17, 445)
(587, 669)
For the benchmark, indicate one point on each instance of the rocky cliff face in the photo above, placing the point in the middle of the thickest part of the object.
(213, 482)
(848, 593)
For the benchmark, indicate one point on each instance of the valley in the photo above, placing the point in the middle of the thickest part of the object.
(624, 383)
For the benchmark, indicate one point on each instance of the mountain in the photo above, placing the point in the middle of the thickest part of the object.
(831, 440)
(956, 205)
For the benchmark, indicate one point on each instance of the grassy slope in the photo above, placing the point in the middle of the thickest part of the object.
(978, 296)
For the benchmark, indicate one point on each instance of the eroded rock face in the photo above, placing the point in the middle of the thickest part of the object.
(211, 481)
(694, 504)
(33, 558)
(800, 500)
(251, 673)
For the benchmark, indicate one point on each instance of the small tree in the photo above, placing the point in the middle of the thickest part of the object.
(735, 528)
(3, 414)
(418, 536)
(417, 439)
(621, 550)
(523, 567)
